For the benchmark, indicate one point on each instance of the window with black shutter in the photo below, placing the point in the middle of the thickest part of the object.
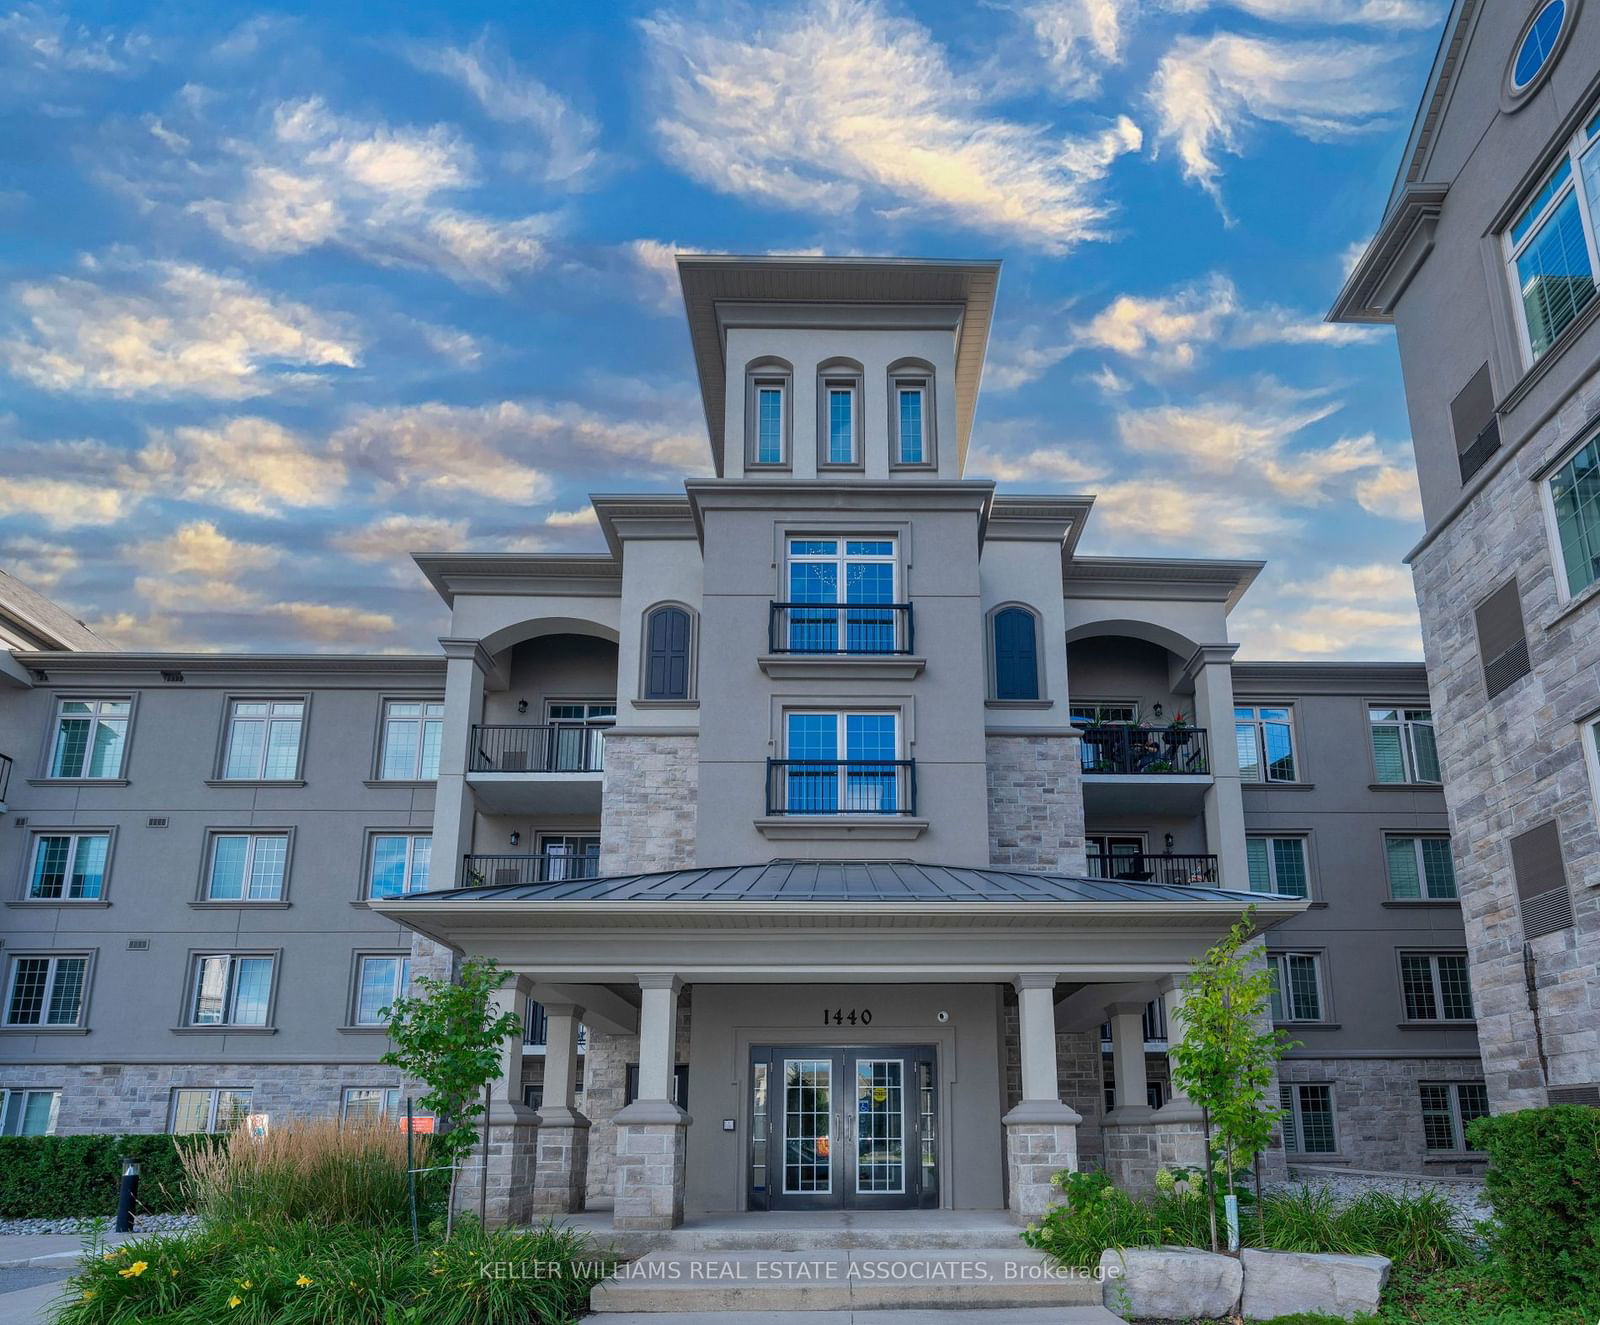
(1502, 640)
(667, 644)
(1016, 654)
(1541, 881)
(1477, 426)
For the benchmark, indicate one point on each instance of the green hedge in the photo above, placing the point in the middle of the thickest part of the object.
(1544, 1184)
(62, 1177)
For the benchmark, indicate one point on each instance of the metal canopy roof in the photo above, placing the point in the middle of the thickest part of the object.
(838, 882)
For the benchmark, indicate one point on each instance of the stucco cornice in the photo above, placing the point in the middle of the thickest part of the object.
(625, 516)
(1394, 256)
(1358, 678)
(510, 574)
(1202, 580)
(803, 496)
(195, 666)
(1032, 518)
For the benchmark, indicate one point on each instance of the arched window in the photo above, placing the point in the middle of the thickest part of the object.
(912, 434)
(669, 639)
(769, 413)
(1016, 654)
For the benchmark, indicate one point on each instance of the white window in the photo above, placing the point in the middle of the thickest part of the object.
(1296, 986)
(1265, 735)
(412, 732)
(231, 990)
(1572, 498)
(569, 856)
(263, 742)
(247, 867)
(1278, 865)
(840, 447)
(1403, 748)
(45, 991)
(1591, 740)
(29, 1112)
(68, 867)
(1308, 1123)
(204, 1110)
(1420, 868)
(771, 418)
(841, 597)
(91, 737)
(369, 1104)
(380, 980)
(1435, 986)
(401, 863)
(1550, 247)
(841, 763)
(1447, 1108)
(911, 415)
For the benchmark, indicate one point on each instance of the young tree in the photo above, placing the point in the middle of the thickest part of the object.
(449, 1038)
(1224, 1059)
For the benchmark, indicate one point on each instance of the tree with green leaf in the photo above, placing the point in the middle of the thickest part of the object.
(450, 1038)
(1226, 1055)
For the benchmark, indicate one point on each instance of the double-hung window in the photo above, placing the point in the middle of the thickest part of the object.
(843, 763)
(913, 424)
(263, 740)
(68, 867)
(29, 1112)
(1265, 734)
(91, 737)
(1574, 497)
(401, 863)
(1308, 1122)
(412, 731)
(1447, 1108)
(771, 443)
(206, 1110)
(1278, 865)
(1420, 868)
(1435, 986)
(247, 867)
(369, 1104)
(380, 980)
(1403, 748)
(1296, 986)
(45, 991)
(841, 596)
(841, 402)
(231, 989)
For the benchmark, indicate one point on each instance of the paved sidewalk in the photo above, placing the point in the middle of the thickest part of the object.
(26, 1295)
(20, 1249)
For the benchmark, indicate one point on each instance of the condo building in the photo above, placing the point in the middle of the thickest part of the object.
(1486, 264)
(845, 831)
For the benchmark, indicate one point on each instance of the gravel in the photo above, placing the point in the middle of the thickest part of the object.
(1464, 1194)
(141, 1224)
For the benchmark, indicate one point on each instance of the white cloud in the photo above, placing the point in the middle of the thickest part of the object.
(127, 630)
(169, 329)
(38, 563)
(1166, 328)
(583, 516)
(193, 594)
(1209, 91)
(244, 464)
(1346, 611)
(41, 39)
(63, 503)
(1046, 463)
(841, 104)
(348, 626)
(1203, 521)
(1079, 38)
(200, 548)
(1280, 326)
(1392, 491)
(397, 536)
(1367, 13)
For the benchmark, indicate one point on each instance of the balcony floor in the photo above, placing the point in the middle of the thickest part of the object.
(537, 793)
(1112, 794)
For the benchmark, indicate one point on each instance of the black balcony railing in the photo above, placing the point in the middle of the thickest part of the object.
(5, 776)
(1133, 750)
(844, 786)
(537, 748)
(1180, 869)
(871, 628)
(482, 871)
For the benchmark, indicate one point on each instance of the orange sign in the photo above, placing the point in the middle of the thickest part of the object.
(420, 1124)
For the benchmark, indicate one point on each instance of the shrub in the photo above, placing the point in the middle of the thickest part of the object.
(1544, 1184)
(66, 1177)
(319, 1169)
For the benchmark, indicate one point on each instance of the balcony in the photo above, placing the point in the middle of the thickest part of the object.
(841, 639)
(1131, 769)
(1168, 868)
(482, 871)
(842, 798)
(5, 780)
(521, 767)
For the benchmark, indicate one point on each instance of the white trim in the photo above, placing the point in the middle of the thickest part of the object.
(1285, 987)
(1589, 734)
(1564, 591)
(6, 1094)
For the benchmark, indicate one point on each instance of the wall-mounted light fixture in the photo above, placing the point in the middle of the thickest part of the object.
(1157, 710)
(522, 706)
(515, 837)
(1169, 844)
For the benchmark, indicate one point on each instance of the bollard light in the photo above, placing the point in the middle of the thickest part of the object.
(127, 1193)
(130, 1168)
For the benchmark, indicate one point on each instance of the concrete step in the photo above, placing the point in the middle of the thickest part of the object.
(936, 1230)
(841, 1280)
(935, 1316)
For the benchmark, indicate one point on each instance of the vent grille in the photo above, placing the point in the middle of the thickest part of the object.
(1548, 913)
(1476, 456)
(138, 945)
(1541, 881)
(170, 675)
(1589, 1095)
(21, 821)
(1502, 640)
(1476, 425)
(156, 821)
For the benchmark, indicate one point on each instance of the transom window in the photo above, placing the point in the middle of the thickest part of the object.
(401, 863)
(369, 1103)
(841, 404)
(263, 739)
(1550, 247)
(1420, 868)
(68, 867)
(231, 990)
(1278, 865)
(29, 1112)
(1574, 496)
(1403, 748)
(1296, 986)
(45, 991)
(840, 595)
(1436, 986)
(380, 980)
(247, 867)
(1447, 1108)
(769, 447)
(208, 1110)
(1266, 743)
(1308, 1123)
(842, 763)
(412, 732)
(90, 739)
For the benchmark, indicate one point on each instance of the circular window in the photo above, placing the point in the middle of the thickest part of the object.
(1538, 44)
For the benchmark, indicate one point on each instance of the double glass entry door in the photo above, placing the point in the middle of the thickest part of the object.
(843, 1128)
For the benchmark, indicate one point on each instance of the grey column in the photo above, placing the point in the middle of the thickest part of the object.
(1041, 1132)
(652, 1131)
(562, 1174)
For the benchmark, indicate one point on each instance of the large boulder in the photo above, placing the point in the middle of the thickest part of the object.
(1169, 1283)
(1281, 1283)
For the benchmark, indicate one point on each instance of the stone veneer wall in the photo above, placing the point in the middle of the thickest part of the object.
(1515, 761)
(605, 1085)
(649, 802)
(1036, 803)
(1078, 1077)
(1378, 1110)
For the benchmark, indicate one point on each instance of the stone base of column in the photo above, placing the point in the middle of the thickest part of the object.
(1180, 1137)
(562, 1177)
(652, 1140)
(1041, 1141)
(1131, 1149)
(513, 1154)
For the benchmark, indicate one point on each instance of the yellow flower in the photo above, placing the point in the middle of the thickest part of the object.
(304, 1281)
(235, 1300)
(173, 1273)
(246, 1284)
(134, 1270)
(87, 1294)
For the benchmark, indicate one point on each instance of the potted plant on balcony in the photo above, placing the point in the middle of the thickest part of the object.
(1178, 733)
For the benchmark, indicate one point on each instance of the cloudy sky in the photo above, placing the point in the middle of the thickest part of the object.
(290, 293)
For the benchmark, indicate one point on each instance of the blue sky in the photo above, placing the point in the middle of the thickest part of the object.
(288, 293)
